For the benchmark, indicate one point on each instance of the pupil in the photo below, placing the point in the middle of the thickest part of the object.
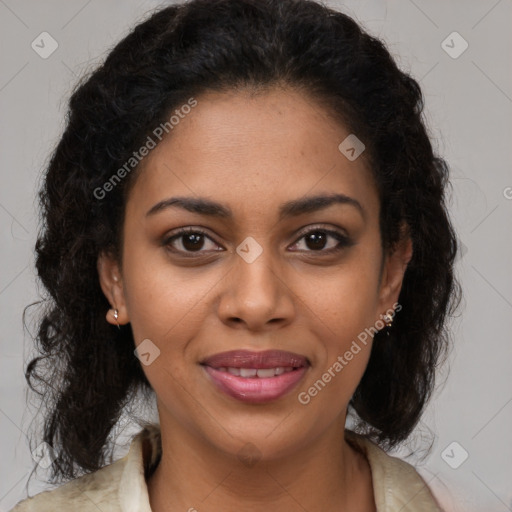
(193, 242)
(318, 240)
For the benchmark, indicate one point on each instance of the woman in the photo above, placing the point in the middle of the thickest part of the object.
(245, 217)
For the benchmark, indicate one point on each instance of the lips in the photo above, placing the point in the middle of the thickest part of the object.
(257, 360)
(256, 377)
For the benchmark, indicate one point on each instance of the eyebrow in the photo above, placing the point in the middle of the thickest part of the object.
(294, 208)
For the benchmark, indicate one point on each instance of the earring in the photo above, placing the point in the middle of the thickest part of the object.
(388, 319)
(116, 316)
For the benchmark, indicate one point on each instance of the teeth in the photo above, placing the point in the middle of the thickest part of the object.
(248, 372)
(263, 373)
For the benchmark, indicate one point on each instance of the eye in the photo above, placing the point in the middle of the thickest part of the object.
(190, 240)
(322, 240)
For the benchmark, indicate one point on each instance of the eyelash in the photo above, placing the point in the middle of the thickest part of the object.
(343, 240)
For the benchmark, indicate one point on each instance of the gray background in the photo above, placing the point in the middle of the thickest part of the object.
(468, 109)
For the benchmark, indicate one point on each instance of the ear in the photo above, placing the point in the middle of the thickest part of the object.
(394, 267)
(111, 283)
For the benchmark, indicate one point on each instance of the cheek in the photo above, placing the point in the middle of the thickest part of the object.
(344, 305)
(344, 326)
(345, 299)
(345, 311)
(163, 302)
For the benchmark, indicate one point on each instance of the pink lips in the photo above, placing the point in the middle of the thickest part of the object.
(256, 389)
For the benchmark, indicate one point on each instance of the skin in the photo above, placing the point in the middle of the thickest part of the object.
(252, 153)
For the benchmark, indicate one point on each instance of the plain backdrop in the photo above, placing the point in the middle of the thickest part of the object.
(468, 110)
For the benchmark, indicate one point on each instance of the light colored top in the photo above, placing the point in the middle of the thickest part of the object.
(121, 486)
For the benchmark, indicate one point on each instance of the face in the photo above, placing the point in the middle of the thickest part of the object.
(263, 266)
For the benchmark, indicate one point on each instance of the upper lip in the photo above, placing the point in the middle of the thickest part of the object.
(249, 359)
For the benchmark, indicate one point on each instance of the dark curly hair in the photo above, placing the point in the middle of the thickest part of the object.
(86, 372)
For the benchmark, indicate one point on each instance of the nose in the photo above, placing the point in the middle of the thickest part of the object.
(255, 295)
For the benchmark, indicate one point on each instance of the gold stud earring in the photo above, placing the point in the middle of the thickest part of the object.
(388, 319)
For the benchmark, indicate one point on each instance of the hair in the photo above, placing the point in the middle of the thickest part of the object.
(85, 371)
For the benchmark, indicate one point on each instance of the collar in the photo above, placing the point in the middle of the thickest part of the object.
(396, 484)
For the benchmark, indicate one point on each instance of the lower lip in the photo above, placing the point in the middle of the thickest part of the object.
(255, 390)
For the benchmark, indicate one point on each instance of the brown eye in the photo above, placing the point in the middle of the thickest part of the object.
(316, 240)
(190, 240)
(322, 241)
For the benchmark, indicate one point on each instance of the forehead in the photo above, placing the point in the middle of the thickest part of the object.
(249, 150)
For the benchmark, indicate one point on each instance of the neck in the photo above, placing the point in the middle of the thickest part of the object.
(327, 474)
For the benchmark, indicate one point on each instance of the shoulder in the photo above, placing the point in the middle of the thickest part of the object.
(109, 489)
(396, 483)
(90, 492)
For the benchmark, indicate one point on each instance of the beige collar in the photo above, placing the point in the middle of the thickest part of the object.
(397, 486)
